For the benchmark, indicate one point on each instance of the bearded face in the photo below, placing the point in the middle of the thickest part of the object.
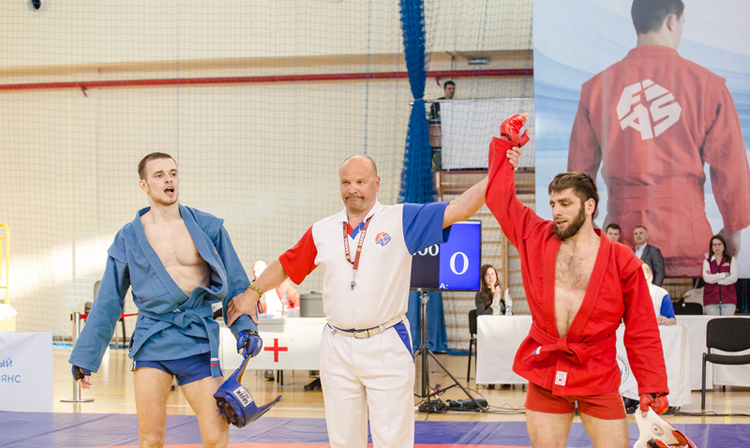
(568, 229)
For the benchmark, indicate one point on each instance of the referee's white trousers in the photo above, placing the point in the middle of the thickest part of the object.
(376, 373)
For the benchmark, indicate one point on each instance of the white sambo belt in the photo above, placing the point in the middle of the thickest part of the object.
(364, 334)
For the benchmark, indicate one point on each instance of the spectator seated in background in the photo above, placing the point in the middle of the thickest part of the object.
(660, 298)
(720, 274)
(489, 290)
(489, 293)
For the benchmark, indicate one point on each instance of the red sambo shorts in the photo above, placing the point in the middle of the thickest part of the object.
(607, 406)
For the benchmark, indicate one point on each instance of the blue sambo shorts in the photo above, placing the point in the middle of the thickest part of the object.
(185, 370)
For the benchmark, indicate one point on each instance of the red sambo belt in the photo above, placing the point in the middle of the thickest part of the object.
(575, 352)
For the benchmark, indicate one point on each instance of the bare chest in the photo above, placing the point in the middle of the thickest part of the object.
(174, 245)
(573, 269)
(572, 275)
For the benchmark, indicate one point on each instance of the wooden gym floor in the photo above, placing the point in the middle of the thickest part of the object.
(112, 392)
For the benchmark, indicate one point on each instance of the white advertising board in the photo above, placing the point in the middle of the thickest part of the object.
(26, 372)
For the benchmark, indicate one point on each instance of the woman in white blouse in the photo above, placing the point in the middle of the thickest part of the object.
(720, 275)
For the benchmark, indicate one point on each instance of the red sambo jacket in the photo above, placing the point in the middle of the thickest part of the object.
(584, 361)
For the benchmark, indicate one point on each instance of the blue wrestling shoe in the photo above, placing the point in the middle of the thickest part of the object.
(236, 404)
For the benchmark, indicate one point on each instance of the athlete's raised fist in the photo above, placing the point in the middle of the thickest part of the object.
(510, 127)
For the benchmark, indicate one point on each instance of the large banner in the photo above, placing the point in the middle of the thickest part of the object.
(26, 372)
(660, 118)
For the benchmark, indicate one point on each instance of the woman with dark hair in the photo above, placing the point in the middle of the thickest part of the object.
(489, 288)
(720, 274)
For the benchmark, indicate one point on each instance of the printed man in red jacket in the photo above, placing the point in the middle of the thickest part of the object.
(579, 286)
(652, 120)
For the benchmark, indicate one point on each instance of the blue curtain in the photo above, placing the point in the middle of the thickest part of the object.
(416, 176)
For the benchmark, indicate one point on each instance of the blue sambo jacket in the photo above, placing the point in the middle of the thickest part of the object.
(171, 324)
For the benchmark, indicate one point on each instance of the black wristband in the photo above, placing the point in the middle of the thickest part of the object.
(78, 373)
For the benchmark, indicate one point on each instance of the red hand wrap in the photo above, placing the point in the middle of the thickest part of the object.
(509, 129)
(657, 402)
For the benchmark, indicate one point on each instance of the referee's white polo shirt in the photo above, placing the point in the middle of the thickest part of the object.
(395, 233)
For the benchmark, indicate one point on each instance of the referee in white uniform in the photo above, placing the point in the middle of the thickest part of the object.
(366, 358)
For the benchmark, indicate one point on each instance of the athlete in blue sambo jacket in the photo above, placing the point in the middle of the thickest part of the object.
(178, 262)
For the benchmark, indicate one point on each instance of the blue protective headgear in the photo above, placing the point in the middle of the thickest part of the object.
(236, 404)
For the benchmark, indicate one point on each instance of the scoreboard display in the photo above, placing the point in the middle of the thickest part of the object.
(452, 266)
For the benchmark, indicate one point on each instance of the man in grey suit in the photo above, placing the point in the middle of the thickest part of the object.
(649, 254)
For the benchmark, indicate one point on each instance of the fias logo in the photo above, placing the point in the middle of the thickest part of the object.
(662, 109)
(382, 239)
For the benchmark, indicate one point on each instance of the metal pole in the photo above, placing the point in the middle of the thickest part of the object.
(76, 317)
(423, 336)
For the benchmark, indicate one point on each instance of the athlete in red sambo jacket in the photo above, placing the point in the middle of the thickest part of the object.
(579, 286)
(652, 120)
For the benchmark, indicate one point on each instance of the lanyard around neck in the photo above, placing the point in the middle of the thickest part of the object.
(360, 243)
